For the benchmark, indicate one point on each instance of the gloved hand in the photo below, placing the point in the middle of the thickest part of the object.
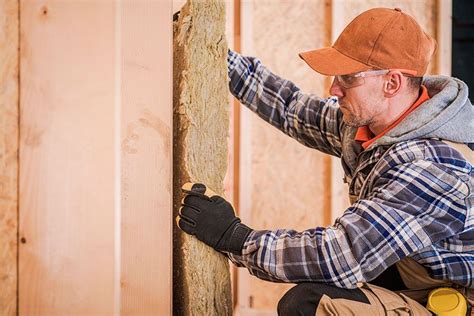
(211, 219)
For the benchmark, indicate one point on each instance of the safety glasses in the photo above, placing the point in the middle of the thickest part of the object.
(357, 79)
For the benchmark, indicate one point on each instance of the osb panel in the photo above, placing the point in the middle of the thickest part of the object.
(424, 12)
(8, 156)
(290, 183)
(201, 123)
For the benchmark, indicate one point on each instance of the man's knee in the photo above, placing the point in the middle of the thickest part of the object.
(297, 302)
(304, 298)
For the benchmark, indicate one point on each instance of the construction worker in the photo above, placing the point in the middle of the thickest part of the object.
(405, 143)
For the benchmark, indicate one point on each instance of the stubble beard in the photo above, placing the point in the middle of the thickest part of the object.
(353, 121)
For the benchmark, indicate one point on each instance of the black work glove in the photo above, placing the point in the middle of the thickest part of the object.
(211, 219)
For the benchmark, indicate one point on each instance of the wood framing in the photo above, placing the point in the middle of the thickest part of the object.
(444, 36)
(235, 140)
(278, 176)
(9, 25)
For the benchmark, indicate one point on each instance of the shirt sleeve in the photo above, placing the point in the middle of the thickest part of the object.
(412, 206)
(312, 121)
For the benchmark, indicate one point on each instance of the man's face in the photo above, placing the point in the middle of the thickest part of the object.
(361, 105)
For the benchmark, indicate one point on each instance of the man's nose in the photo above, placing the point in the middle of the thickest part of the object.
(336, 89)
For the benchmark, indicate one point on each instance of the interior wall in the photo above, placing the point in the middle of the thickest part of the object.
(283, 183)
(145, 145)
(95, 158)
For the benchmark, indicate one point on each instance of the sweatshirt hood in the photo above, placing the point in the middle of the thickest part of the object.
(447, 115)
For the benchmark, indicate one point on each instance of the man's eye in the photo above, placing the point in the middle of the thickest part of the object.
(347, 78)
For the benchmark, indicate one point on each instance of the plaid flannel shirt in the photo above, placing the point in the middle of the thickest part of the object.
(415, 199)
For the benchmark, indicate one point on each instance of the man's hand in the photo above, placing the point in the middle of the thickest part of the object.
(211, 219)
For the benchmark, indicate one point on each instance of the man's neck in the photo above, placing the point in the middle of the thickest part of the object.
(394, 109)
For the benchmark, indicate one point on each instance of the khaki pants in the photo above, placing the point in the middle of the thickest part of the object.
(386, 302)
(382, 302)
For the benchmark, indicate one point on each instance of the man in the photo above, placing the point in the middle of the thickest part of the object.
(403, 144)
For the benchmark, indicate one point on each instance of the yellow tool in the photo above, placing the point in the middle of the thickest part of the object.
(446, 301)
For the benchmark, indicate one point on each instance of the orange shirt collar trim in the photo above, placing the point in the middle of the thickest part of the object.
(364, 134)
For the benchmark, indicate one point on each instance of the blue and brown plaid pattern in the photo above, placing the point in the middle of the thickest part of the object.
(417, 200)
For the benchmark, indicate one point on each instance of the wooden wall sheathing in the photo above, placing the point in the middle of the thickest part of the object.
(95, 158)
(288, 181)
(9, 25)
(146, 158)
(67, 158)
(201, 123)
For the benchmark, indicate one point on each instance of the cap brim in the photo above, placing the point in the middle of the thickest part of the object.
(330, 62)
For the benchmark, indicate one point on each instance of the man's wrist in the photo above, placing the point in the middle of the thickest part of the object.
(237, 238)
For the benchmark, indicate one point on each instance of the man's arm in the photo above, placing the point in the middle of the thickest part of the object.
(412, 206)
(313, 121)
(418, 200)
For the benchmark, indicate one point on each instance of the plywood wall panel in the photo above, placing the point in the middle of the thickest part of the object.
(146, 152)
(95, 165)
(9, 25)
(201, 125)
(67, 158)
(288, 182)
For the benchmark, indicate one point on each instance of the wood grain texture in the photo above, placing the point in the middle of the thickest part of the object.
(67, 161)
(9, 25)
(146, 229)
(96, 145)
(201, 126)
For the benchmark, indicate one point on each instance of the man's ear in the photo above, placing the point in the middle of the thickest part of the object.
(393, 83)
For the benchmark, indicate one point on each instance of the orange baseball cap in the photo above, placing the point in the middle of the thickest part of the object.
(379, 38)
